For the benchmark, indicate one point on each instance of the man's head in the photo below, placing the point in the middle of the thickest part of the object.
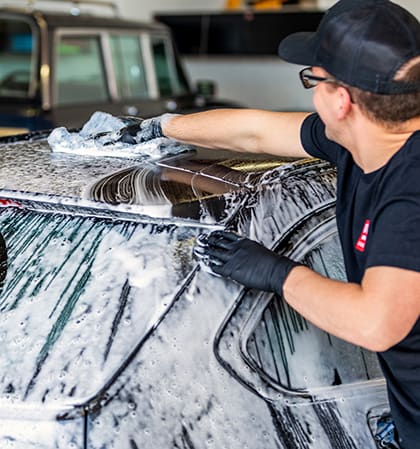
(373, 48)
(363, 43)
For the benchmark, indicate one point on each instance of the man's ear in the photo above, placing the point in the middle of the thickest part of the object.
(344, 102)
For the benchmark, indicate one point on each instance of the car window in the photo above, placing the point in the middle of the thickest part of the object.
(77, 295)
(17, 44)
(170, 81)
(80, 72)
(129, 68)
(297, 355)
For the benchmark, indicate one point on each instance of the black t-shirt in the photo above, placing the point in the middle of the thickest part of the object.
(378, 219)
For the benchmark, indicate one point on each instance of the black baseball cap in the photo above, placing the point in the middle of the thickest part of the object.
(362, 43)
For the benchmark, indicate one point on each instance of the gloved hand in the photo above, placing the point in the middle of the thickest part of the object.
(103, 129)
(243, 260)
(139, 131)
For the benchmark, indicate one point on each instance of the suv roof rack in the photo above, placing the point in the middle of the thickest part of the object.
(75, 5)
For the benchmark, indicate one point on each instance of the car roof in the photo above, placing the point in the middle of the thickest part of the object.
(32, 169)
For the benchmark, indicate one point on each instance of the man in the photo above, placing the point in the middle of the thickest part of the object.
(364, 65)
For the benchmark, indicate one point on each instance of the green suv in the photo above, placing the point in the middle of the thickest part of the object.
(58, 68)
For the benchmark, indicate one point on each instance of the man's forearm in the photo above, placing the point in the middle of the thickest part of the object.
(243, 130)
(328, 304)
(375, 315)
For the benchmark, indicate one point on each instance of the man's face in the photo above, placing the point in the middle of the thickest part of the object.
(323, 100)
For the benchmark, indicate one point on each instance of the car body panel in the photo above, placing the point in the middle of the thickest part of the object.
(114, 336)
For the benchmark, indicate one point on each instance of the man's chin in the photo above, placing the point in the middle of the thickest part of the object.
(330, 134)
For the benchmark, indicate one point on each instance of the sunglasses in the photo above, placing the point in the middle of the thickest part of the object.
(309, 80)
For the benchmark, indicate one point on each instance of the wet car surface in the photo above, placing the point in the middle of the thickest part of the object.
(114, 337)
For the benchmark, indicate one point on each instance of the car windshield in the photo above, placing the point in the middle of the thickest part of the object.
(17, 58)
(103, 284)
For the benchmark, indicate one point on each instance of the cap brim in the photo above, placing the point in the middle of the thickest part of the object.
(299, 48)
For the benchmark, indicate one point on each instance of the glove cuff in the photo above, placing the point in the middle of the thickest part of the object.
(282, 271)
(163, 120)
(154, 125)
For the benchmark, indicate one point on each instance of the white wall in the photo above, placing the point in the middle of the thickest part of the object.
(412, 5)
(144, 9)
(266, 83)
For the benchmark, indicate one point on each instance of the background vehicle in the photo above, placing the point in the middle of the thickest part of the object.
(58, 68)
(113, 337)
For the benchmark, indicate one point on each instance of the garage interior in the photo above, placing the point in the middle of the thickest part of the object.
(258, 81)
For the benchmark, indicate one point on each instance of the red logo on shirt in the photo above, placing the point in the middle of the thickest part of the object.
(361, 241)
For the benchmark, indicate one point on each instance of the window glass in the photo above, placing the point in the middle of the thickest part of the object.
(80, 72)
(299, 356)
(129, 69)
(77, 295)
(16, 57)
(170, 79)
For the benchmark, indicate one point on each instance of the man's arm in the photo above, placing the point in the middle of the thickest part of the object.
(243, 130)
(376, 315)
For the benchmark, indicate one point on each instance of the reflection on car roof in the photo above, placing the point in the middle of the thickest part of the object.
(187, 177)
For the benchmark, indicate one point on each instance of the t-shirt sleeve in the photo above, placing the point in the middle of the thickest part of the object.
(315, 142)
(395, 233)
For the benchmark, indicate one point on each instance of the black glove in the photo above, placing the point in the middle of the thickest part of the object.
(128, 133)
(243, 260)
(109, 130)
(143, 130)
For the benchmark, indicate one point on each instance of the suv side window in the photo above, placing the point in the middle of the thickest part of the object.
(129, 68)
(80, 73)
(169, 80)
(17, 44)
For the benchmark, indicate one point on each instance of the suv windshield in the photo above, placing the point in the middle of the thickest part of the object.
(17, 59)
